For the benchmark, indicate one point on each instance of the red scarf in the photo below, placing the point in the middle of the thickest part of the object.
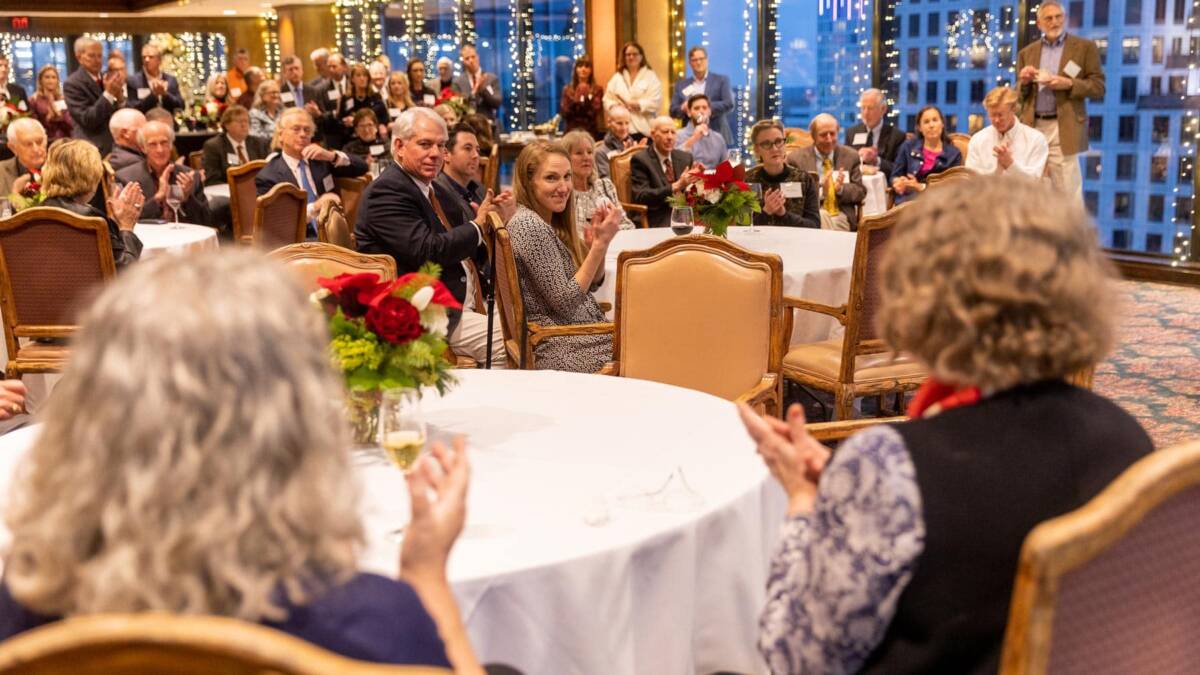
(934, 397)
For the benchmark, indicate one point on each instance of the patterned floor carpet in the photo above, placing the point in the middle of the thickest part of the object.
(1154, 372)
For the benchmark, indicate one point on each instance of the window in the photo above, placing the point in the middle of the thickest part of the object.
(1100, 13)
(931, 91)
(1005, 54)
(1128, 90)
(1180, 10)
(1007, 15)
(914, 25)
(1130, 47)
(1127, 129)
(951, 123)
(1156, 85)
(951, 91)
(1160, 11)
(1075, 15)
(1158, 169)
(1091, 167)
(1187, 129)
(977, 91)
(914, 59)
(1185, 170)
(725, 46)
(911, 122)
(1183, 209)
(1154, 243)
(1133, 12)
(1095, 128)
(932, 25)
(1160, 129)
(1154, 208)
(914, 92)
(1177, 46)
(1122, 206)
(1177, 84)
(1125, 167)
(1156, 50)
(1102, 47)
(931, 58)
(1091, 199)
(1120, 238)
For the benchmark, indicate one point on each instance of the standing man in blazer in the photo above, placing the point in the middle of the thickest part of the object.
(306, 165)
(660, 171)
(481, 90)
(839, 174)
(91, 97)
(1057, 75)
(875, 140)
(151, 88)
(715, 87)
(406, 214)
(293, 91)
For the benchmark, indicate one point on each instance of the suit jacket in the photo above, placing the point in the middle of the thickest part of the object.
(329, 126)
(193, 210)
(1071, 103)
(122, 157)
(649, 185)
(853, 192)
(90, 109)
(720, 99)
(394, 218)
(16, 94)
(9, 172)
(487, 100)
(308, 92)
(126, 247)
(171, 101)
(218, 150)
(463, 194)
(277, 171)
(890, 140)
(911, 157)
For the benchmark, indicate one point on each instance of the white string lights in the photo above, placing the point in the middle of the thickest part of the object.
(745, 103)
(974, 38)
(269, 23)
(1185, 223)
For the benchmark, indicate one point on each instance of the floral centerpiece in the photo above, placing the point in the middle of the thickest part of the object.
(386, 335)
(720, 198)
(10, 112)
(199, 116)
(456, 102)
(29, 195)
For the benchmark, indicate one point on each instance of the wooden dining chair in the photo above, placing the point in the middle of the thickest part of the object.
(828, 432)
(797, 137)
(313, 259)
(952, 175)
(702, 313)
(521, 337)
(147, 643)
(350, 190)
(51, 262)
(620, 173)
(858, 363)
(242, 197)
(489, 169)
(196, 160)
(961, 141)
(1111, 588)
(280, 217)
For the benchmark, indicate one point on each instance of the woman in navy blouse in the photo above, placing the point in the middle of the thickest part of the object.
(193, 460)
(929, 152)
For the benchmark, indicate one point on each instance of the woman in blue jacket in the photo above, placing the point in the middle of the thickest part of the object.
(929, 152)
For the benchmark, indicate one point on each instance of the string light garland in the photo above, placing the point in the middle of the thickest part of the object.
(745, 102)
(358, 28)
(1185, 223)
(8, 46)
(269, 22)
(192, 58)
(678, 33)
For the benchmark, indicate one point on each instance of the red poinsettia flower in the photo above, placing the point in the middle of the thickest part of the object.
(394, 320)
(354, 292)
(724, 175)
(446, 95)
(441, 294)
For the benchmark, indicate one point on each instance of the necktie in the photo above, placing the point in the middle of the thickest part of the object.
(831, 206)
(312, 195)
(299, 93)
(871, 139)
(241, 150)
(669, 170)
(468, 264)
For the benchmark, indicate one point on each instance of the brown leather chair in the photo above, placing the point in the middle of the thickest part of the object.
(1112, 586)
(313, 259)
(242, 197)
(620, 173)
(51, 262)
(961, 141)
(951, 175)
(521, 336)
(181, 645)
(196, 160)
(797, 138)
(702, 313)
(280, 217)
(351, 191)
(857, 364)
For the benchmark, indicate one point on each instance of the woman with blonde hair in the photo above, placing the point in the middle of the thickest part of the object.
(211, 475)
(398, 97)
(48, 105)
(558, 267)
(216, 95)
(591, 190)
(71, 177)
(898, 553)
(268, 106)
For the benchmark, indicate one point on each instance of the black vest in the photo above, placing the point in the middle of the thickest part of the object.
(988, 474)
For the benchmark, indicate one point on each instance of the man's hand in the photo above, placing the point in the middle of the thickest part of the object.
(1028, 74)
(868, 155)
(158, 87)
(688, 177)
(12, 398)
(312, 109)
(315, 151)
(1003, 155)
(114, 83)
(164, 183)
(1060, 83)
(187, 181)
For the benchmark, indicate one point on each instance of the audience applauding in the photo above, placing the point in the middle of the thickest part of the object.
(789, 193)
(928, 152)
(164, 181)
(92, 97)
(875, 140)
(591, 191)
(71, 178)
(582, 101)
(617, 140)
(838, 170)
(27, 140)
(49, 106)
(124, 126)
(151, 87)
(233, 147)
(480, 90)
(660, 171)
(635, 87)
(1006, 145)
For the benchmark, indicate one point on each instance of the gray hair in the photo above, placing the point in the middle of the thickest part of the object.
(25, 125)
(618, 108)
(211, 473)
(82, 44)
(152, 45)
(877, 94)
(447, 60)
(822, 117)
(150, 127)
(125, 118)
(662, 120)
(1051, 3)
(318, 54)
(406, 124)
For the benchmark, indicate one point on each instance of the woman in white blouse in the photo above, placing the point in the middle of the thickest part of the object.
(591, 191)
(637, 88)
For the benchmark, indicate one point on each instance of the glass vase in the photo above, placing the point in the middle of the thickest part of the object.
(362, 412)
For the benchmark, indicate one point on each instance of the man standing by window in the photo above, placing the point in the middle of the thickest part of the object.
(714, 86)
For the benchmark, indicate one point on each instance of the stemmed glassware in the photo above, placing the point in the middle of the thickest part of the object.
(402, 430)
(757, 189)
(681, 220)
(174, 201)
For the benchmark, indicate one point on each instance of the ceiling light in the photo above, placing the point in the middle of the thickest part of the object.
(229, 12)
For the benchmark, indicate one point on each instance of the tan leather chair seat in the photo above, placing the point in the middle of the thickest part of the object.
(824, 359)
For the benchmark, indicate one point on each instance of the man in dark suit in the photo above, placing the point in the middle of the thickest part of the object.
(306, 165)
(660, 171)
(158, 173)
(234, 147)
(91, 97)
(151, 87)
(329, 97)
(838, 170)
(406, 215)
(460, 173)
(293, 92)
(124, 126)
(715, 87)
(320, 60)
(875, 140)
(481, 90)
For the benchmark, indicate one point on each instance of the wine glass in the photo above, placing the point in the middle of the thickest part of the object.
(757, 189)
(681, 220)
(174, 201)
(402, 427)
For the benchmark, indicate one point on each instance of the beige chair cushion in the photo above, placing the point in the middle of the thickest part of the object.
(696, 320)
(824, 360)
(307, 270)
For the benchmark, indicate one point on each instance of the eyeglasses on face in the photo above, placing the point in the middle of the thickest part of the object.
(771, 145)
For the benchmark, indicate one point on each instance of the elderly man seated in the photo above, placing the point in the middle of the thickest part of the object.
(124, 125)
(1007, 145)
(838, 170)
(706, 145)
(660, 171)
(618, 139)
(157, 174)
(27, 140)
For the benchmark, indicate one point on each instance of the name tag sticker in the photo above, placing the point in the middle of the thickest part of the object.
(328, 183)
(232, 158)
(375, 149)
(792, 190)
(860, 138)
(235, 92)
(1071, 69)
(60, 105)
(349, 103)
(332, 94)
(430, 99)
(394, 112)
(490, 91)
(287, 97)
(143, 92)
(22, 106)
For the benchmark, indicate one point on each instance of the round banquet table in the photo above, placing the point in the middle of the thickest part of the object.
(561, 568)
(167, 239)
(217, 190)
(816, 266)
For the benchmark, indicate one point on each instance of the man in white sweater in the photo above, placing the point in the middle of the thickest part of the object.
(1007, 145)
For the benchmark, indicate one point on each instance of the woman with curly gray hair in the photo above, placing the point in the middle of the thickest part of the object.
(191, 462)
(899, 552)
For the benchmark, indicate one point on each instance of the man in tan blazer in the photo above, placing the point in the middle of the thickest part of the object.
(1057, 75)
(844, 177)
(27, 140)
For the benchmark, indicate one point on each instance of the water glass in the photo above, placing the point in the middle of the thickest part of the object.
(174, 201)
(402, 431)
(681, 220)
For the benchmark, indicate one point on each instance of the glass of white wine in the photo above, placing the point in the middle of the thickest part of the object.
(402, 427)
(174, 201)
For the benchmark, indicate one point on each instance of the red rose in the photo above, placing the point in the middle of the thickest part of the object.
(394, 320)
(354, 292)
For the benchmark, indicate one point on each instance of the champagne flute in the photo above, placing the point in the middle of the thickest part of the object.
(402, 427)
(757, 189)
(681, 220)
(174, 201)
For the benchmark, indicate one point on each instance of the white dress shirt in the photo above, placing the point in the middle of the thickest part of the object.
(1028, 146)
(294, 163)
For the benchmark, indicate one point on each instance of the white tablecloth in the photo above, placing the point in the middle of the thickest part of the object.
(649, 591)
(876, 200)
(185, 239)
(218, 190)
(816, 266)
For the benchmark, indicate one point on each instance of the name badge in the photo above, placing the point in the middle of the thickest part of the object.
(792, 190)
(430, 99)
(394, 112)
(328, 182)
(22, 107)
(859, 138)
(375, 149)
(1071, 69)
(333, 95)
(490, 91)
(349, 103)
(60, 105)
(232, 158)
(143, 92)
(287, 97)
(235, 92)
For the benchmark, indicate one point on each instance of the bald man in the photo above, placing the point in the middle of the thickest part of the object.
(838, 170)
(124, 126)
(660, 171)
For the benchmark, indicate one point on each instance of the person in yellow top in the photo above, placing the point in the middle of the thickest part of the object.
(237, 74)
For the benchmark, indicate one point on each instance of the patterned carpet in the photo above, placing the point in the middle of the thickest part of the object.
(1154, 372)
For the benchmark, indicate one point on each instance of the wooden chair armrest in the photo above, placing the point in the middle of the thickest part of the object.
(605, 307)
(761, 394)
(538, 333)
(838, 313)
(609, 368)
(637, 213)
(836, 431)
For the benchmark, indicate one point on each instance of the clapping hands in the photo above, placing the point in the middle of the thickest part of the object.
(126, 205)
(437, 489)
(792, 455)
(605, 223)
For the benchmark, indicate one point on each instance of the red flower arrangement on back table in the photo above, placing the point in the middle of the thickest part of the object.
(720, 198)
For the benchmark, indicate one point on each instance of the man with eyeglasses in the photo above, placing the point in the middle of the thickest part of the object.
(875, 140)
(306, 165)
(715, 87)
(1056, 76)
